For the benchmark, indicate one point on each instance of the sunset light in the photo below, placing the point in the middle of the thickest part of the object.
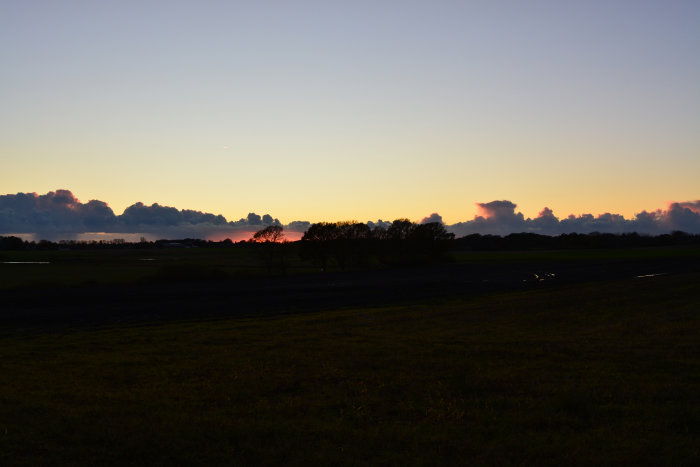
(367, 232)
(354, 111)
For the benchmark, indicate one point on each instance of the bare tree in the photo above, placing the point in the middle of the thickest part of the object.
(270, 234)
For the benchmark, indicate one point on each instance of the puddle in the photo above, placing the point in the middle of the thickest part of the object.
(26, 262)
(651, 275)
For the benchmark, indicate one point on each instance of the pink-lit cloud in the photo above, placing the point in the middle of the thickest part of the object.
(498, 209)
(434, 217)
(692, 205)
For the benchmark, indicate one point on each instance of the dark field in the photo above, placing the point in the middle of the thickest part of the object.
(201, 357)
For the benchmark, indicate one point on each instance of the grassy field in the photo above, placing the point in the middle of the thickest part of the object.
(578, 374)
(577, 255)
(75, 267)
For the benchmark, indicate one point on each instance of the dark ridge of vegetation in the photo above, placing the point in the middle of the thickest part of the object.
(401, 236)
(356, 246)
(11, 243)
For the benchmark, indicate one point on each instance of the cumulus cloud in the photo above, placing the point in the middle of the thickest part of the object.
(53, 212)
(254, 219)
(501, 209)
(500, 218)
(683, 216)
(298, 226)
(692, 205)
(60, 215)
(434, 217)
(495, 218)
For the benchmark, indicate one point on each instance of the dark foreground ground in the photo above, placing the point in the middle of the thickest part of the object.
(523, 360)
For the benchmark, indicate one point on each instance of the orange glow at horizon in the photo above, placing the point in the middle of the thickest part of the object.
(237, 236)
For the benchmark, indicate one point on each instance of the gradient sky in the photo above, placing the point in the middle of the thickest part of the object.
(353, 110)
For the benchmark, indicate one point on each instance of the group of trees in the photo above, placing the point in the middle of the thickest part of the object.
(353, 244)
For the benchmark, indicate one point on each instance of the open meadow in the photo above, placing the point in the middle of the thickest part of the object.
(600, 368)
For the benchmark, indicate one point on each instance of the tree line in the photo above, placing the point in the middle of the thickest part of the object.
(354, 244)
(351, 245)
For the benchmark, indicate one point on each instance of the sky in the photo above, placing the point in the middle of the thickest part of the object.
(364, 110)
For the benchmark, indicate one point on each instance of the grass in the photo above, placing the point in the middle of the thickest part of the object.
(605, 373)
(75, 268)
(578, 255)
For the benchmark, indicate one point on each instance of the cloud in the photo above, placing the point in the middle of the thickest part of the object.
(692, 205)
(496, 218)
(500, 218)
(60, 215)
(139, 214)
(298, 226)
(53, 212)
(268, 220)
(254, 219)
(500, 209)
(434, 217)
(380, 223)
(683, 216)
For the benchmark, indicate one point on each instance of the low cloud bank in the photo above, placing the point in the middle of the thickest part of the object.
(500, 218)
(60, 215)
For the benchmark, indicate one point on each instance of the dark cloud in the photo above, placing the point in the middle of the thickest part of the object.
(98, 216)
(692, 205)
(56, 211)
(59, 214)
(268, 220)
(298, 226)
(683, 216)
(500, 218)
(139, 214)
(496, 218)
(254, 219)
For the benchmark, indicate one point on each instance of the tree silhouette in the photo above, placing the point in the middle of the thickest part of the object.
(318, 242)
(429, 240)
(400, 229)
(270, 234)
(272, 251)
